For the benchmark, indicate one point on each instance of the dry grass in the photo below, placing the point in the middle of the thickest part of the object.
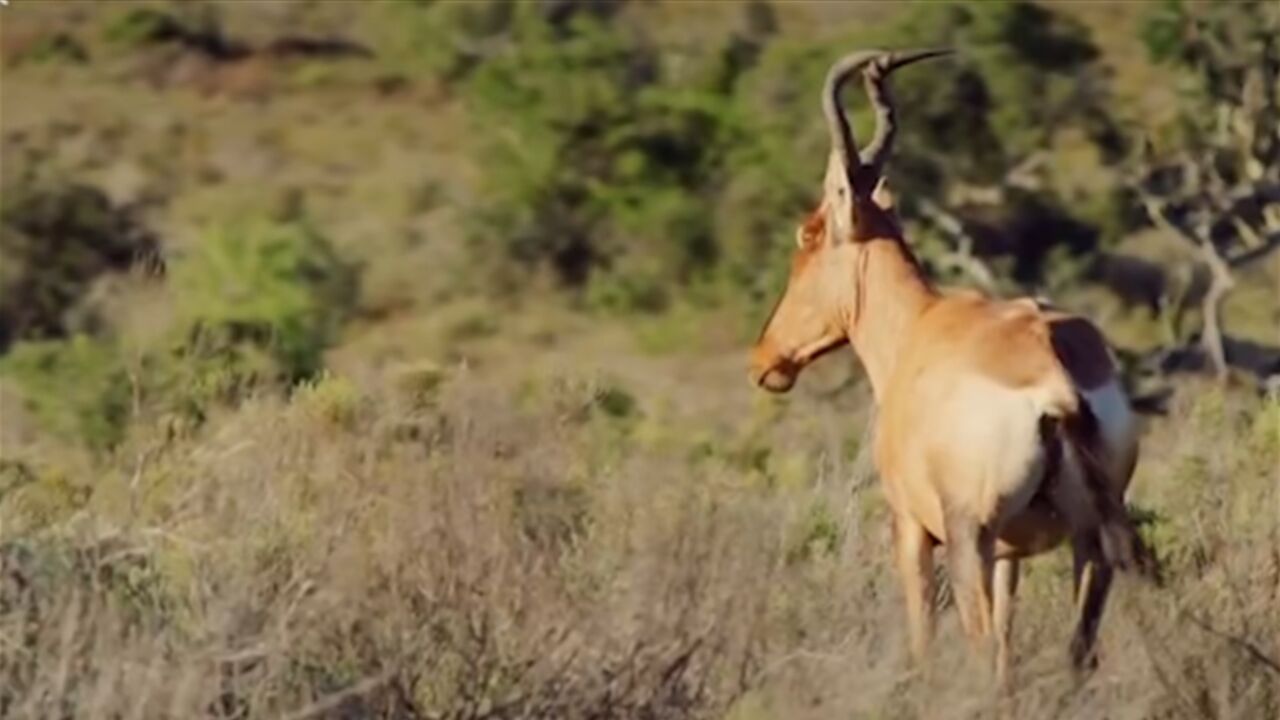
(435, 547)
(643, 537)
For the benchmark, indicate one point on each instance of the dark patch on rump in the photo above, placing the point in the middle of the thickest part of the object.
(1082, 351)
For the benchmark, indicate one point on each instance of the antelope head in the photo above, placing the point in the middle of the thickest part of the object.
(810, 318)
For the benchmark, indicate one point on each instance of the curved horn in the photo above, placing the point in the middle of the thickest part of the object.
(876, 76)
(842, 141)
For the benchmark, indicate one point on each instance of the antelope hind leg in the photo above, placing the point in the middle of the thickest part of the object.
(913, 551)
(1092, 577)
(1004, 586)
(970, 560)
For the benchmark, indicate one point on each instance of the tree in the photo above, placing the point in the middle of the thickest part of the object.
(599, 158)
(1213, 181)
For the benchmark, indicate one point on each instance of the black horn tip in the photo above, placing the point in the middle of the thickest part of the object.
(896, 59)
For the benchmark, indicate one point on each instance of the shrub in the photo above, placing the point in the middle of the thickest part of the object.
(257, 303)
(419, 382)
(54, 242)
(142, 26)
(199, 371)
(277, 287)
(332, 399)
(444, 40)
(57, 47)
(77, 388)
(602, 155)
(639, 173)
(616, 402)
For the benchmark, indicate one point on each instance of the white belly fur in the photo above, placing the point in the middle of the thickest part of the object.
(1001, 437)
(999, 442)
(994, 458)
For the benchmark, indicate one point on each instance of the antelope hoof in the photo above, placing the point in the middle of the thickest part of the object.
(1084, 659)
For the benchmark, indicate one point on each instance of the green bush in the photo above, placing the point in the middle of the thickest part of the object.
(57, 47)
(640, 172)
(443, 40)
(76, 388)
(331, 399)
(257, 303)
(817, 534)
(603, 156)
(142, 26)
(262, 285)
(1023, 83)
(969, 118)
(616, 402)
(199, 371)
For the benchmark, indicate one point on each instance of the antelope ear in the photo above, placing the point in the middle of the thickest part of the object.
(809, 233)
(882, 196)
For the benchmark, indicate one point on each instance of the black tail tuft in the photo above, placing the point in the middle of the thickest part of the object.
(1124, 549)
(1122, 546)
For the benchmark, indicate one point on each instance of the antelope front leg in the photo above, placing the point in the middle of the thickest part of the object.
(913, 548)
(1004, 586)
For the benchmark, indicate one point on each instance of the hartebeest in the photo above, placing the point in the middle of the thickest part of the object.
(1002, 427)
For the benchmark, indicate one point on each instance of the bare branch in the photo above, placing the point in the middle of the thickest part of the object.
(1157, 210)
(962, 257)
(1220, 284)
(1023, 176)
(1221, 280)
(333, 701)
(1248, 647)
(1256, 253)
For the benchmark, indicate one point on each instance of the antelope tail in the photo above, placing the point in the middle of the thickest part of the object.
(1095, 506)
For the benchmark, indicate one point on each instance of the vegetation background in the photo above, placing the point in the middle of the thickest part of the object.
(387, 359)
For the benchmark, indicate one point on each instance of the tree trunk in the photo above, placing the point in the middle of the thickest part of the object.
(1220, 284)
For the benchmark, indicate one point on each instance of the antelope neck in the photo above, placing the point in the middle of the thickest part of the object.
(890, 294)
